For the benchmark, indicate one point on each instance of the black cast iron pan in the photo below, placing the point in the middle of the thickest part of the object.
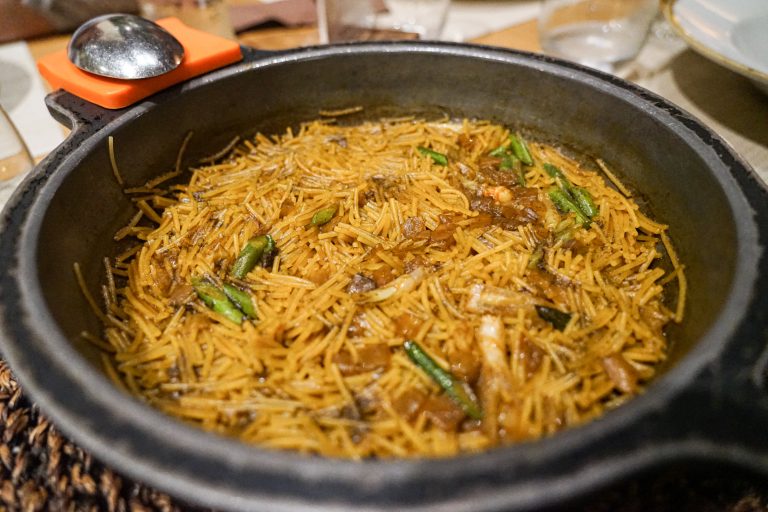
(710, 405)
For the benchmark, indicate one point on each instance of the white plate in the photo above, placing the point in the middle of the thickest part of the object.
(733, 33)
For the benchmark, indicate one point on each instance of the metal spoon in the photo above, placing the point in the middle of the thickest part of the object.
(124, 46)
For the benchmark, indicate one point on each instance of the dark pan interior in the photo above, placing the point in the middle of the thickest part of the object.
(675, 178)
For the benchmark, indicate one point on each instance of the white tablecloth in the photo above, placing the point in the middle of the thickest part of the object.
(723, 100)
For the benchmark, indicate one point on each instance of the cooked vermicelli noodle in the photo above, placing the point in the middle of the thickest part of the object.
(429, 292)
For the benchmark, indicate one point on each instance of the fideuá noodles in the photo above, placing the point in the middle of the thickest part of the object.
(395, 288)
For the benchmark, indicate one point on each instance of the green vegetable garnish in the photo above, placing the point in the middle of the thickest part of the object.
(560, 179)
(257, 250)
(557, 318)
(438, 158)
(324, 216)
(565, 204)
(583, 200)
(520, 148)
(565, 234)
(499, 151)
(216, 299)
(509, 163)
(521, 177)
(512, 163)
(555, 172)
(242, 300)
(453, 387)
(579, 197)
(536, 256)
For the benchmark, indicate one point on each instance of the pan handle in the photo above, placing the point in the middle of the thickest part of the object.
(726, 408)
(745, 389)
(80, 115)
(728, 405)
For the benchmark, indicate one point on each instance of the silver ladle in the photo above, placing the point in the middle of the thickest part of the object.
(124, 46)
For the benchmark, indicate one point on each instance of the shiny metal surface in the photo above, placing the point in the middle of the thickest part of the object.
(124, 46)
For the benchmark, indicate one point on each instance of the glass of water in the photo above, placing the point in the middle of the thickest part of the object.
(207, 15)
(423, 17)
(362, 20)
(15, 159)
(603, 34)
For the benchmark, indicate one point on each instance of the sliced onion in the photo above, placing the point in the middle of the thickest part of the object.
(399, 286)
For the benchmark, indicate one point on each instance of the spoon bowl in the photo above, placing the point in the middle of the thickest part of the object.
(124, 46)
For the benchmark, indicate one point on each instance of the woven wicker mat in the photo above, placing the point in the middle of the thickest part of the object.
(41, 470)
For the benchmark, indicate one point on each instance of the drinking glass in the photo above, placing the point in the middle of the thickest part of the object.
(207, 15)
(15, 158)
(603, 34)
(365, 20)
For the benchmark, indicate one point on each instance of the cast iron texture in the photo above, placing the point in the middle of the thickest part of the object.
(710, 405)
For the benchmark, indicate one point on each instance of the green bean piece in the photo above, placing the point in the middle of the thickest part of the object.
(580, 197)
(560, 179)
(269, 252)
(536, 256)
(564, 230)
(216, 299)
(520, 174)
(510, 162)
(499, 151)
(519, 147)
(324, 215)
(452, 386)
(555, 172)
(565, 204)
(242, 300)
(257, 250)
(438, 158)
(564, 235)
(583, 200)
(557, 318)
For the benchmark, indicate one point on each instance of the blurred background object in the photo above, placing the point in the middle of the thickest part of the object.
(62, 15)
(423, 17)
(365, 20)
(465, 19)
(15, 158)
(731, 33)
(603, 34)
(208, 15)
(22, 94)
